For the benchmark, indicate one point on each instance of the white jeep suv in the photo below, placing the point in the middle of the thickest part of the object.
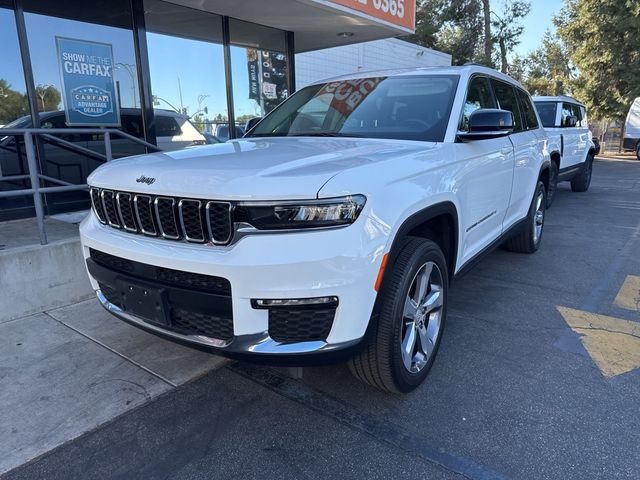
(333, 229)
(570, 142)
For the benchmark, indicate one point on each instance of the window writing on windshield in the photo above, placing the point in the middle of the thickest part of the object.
(410, 108)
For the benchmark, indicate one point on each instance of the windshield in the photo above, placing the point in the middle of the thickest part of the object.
(547, 113)
(409, 108)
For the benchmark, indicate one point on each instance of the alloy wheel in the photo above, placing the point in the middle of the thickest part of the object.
(422, 317)
(538, 218)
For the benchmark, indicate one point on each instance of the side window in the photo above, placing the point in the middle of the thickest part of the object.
(506, 96)
(528, 112)
(167, 126)
(547, 113)
(132, 124)
(566, 111)
(577, 112)
(583, 116)
(479, 95)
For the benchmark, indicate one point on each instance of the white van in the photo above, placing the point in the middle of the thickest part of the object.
(631, 140)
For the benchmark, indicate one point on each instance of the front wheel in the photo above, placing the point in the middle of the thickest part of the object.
(529, 239)
(412, 313)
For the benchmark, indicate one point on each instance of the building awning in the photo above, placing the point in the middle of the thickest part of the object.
(320, 23)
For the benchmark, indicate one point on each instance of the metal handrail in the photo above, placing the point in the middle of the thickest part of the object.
(35, 177)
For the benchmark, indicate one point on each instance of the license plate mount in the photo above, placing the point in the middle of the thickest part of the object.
(144, 301)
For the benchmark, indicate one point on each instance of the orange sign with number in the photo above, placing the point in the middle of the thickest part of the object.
(398, 12)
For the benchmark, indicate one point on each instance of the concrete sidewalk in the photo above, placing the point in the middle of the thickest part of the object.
(66, 371)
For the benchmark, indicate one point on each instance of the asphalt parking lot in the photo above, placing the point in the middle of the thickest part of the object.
(537, 378)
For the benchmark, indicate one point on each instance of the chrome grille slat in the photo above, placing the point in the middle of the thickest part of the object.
(179, 219)
(110, 209)
(96, 203)
(218, 215)
(166, 217)
(144, 214)
(125, 209)
(190, 215)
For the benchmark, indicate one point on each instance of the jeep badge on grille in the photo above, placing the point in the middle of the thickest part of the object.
(147, 180)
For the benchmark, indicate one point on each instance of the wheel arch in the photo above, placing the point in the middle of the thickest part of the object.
(544, 174)
(438, 222)
(555, 158)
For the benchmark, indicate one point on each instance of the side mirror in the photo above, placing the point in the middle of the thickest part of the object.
(252, 122)
(487, 123)
(570, 121)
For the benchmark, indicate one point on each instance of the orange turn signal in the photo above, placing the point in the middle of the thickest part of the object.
(381, 272)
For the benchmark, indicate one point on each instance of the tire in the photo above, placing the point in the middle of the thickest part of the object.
(553, 183)
(382, 364)
(529, 239)
(638, 151)
(581, 182)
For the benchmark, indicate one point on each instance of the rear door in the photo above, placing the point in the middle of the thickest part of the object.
(486, 184)
(522, 142)
(570, 137)
(529, 145)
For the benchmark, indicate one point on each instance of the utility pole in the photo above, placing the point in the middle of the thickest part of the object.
(180, 92)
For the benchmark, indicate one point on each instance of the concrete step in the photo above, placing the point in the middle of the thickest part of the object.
(35, 277)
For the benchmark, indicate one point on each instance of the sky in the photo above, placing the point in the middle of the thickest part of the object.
(536, 23)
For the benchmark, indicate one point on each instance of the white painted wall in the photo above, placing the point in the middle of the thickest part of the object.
(375, 55)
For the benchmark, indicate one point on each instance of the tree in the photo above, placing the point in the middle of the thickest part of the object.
(48, 98)
(509, 28)
(603, 41)
(428, 18)
(13, 104)
(488, 43)
(547, 70)
(462, 27)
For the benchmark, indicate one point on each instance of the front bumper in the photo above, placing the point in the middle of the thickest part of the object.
(343, 263)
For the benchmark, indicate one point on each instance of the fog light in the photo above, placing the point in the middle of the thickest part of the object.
(295, 302)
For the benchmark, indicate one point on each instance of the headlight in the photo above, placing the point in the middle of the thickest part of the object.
(292, 215)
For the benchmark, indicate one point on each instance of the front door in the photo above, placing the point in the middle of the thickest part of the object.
(488, 173)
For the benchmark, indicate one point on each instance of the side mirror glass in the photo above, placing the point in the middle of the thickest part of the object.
(488, 123)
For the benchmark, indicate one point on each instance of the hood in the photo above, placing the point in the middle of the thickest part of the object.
(249, 169)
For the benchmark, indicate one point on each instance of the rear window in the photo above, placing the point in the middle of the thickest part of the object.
(167, 126)
(547, 113)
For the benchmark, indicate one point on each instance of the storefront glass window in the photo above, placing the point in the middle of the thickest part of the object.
(186, 62)
(85, 75)
(14, 107)
(259, 69)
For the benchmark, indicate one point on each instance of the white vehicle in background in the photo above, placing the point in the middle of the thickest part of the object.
(631, 140)
(570, 143)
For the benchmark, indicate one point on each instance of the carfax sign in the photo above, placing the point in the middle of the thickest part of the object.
(89, 91)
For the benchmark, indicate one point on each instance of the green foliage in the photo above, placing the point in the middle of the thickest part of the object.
(48, 98)
(13, 104)
(508, 28)
(458, 27)
(603, 41)
(546, 70)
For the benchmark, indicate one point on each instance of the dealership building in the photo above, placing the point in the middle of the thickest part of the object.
(132, 64)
